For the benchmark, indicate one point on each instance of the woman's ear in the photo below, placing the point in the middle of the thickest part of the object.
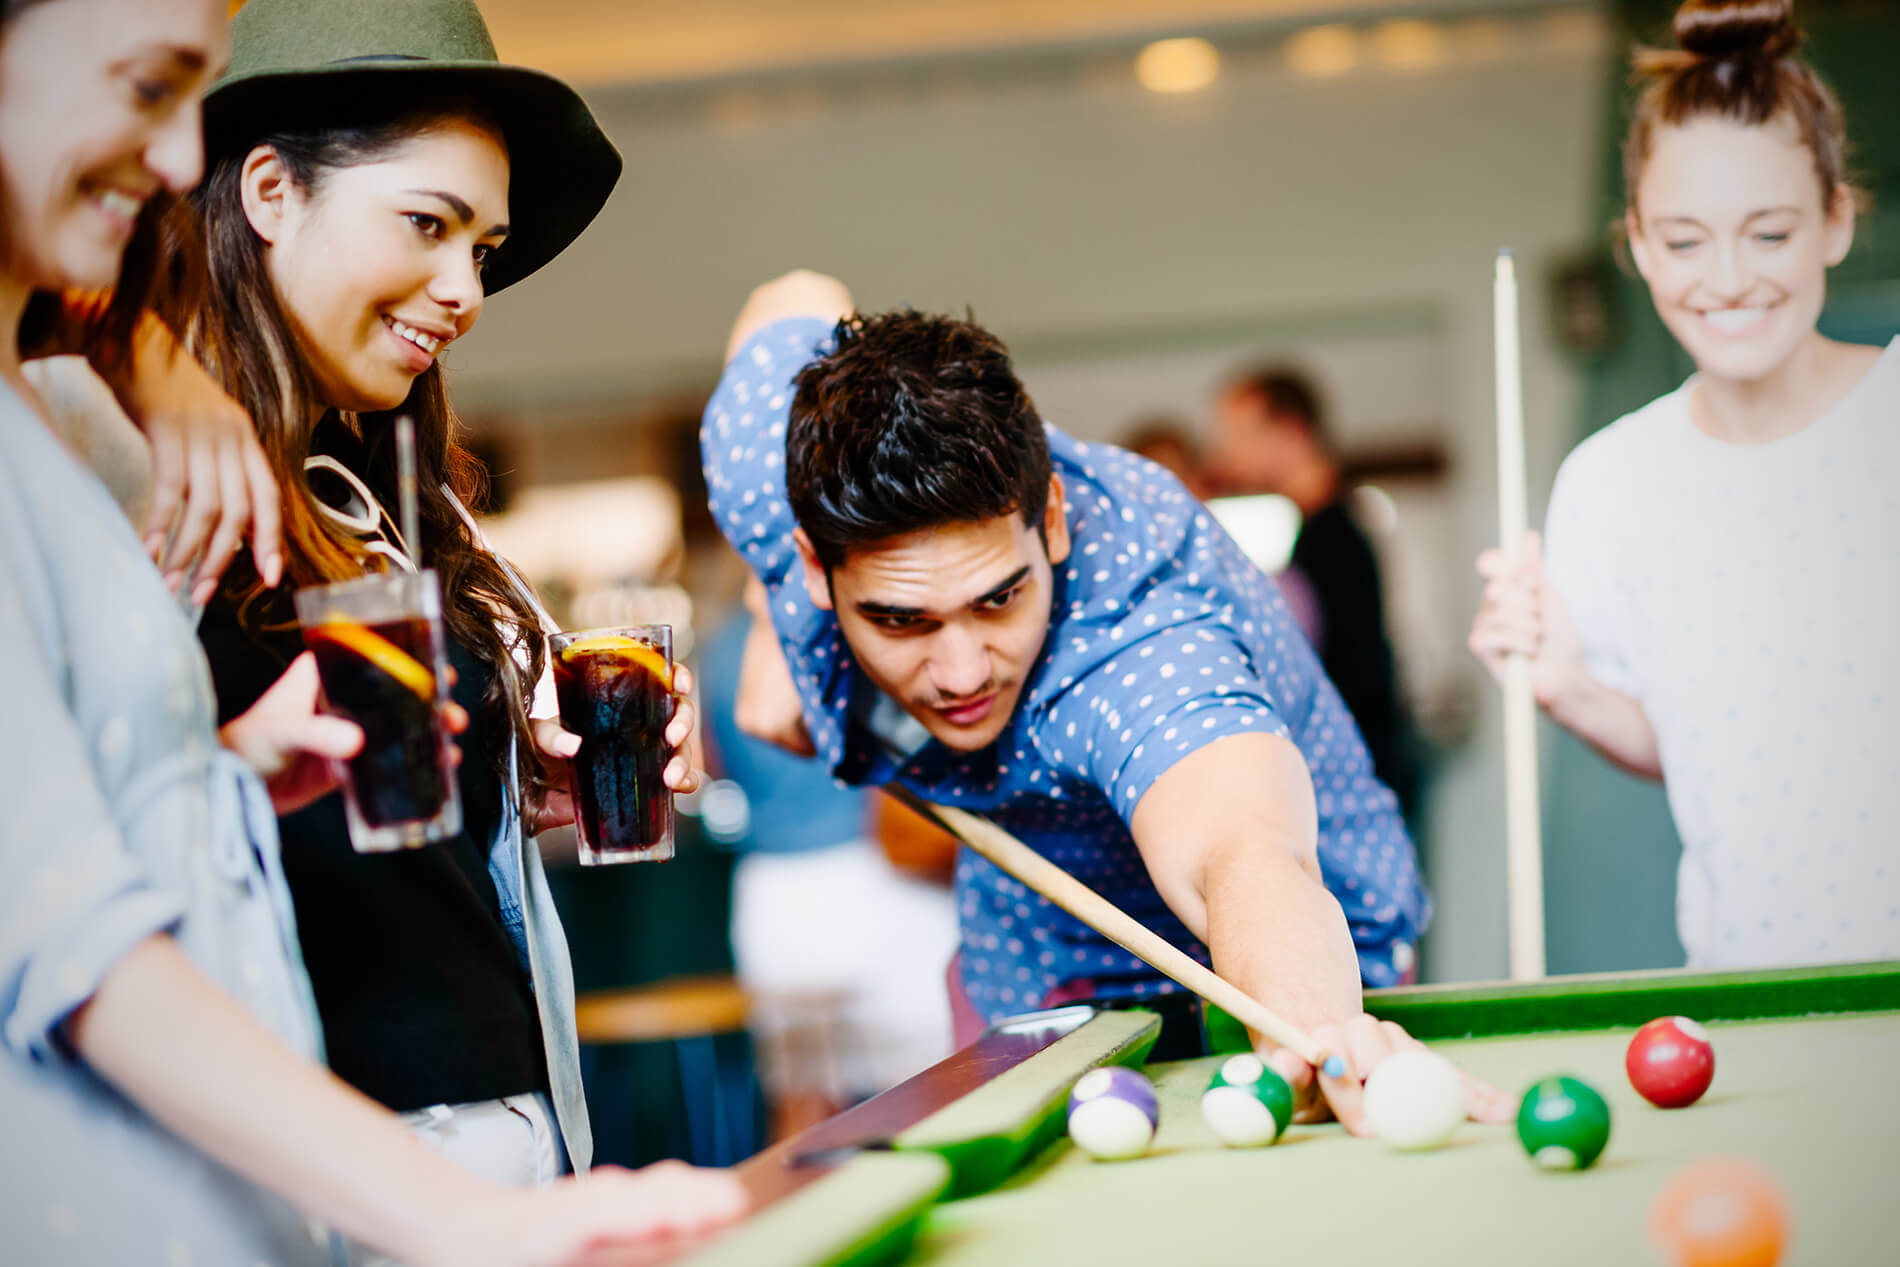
(1838, 225)
(265, 188)
(1633, 238)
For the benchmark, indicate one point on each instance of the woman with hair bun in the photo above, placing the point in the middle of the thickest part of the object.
(1716, 602)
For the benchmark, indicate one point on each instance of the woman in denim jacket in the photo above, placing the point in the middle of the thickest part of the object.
(159, 1080)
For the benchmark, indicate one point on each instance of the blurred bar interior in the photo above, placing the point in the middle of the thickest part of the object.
(1143, 197)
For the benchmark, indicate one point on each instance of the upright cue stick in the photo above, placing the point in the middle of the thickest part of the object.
(1524, 849)
(1069, 893)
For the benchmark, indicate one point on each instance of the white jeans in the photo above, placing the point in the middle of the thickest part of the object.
(510, 1142)
(844, 956)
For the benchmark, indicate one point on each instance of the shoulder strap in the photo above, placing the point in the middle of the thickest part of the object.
(362, 515)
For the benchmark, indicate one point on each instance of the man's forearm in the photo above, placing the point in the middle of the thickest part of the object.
(1230, 835)
(1275, 932)
(800, 293)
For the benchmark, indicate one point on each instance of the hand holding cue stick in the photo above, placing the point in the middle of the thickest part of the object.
(1069, 893)
(1524, 848)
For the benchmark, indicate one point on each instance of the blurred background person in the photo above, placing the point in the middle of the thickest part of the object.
(842, 950)
(1169, 441)
(1270, 437)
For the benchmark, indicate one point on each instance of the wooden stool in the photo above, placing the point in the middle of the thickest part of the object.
(692, 1013)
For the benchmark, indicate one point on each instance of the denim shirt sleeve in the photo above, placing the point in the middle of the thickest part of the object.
(534, 926)
(505, 866)
(742, 443)
(742, 447)
(1128, 722)
(76, 899)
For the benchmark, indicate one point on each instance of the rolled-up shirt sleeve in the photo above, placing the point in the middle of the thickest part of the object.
(1129, 722)
(75, 899)
(742, 447)
(742, 443)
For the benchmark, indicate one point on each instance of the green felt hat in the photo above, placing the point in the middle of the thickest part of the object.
(298, 63)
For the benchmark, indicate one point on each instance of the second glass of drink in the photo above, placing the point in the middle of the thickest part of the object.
(616, 692)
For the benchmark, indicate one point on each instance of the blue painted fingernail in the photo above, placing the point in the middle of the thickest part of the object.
(1334, 1067)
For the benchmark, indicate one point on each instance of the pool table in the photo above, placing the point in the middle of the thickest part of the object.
(968, 1162)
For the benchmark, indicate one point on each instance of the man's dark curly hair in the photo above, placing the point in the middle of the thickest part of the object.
(910, 422)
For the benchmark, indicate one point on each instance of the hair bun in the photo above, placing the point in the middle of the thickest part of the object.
(1718, 29)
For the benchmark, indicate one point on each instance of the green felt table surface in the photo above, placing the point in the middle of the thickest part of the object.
(1814, 1100)
(865, 1211)
(1807, 1085)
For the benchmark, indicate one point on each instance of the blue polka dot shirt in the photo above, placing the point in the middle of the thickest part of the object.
(1163, 638)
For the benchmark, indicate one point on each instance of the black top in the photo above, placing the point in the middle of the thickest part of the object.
(423, 998)
(1338, 562)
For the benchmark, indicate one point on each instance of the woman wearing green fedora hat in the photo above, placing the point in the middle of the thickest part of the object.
(374, 176)
(158, 1042)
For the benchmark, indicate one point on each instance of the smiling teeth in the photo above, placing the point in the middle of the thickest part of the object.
(1733, 320)
(120, 203)
(427, 342)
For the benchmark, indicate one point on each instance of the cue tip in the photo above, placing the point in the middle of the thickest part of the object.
(1332, 1066)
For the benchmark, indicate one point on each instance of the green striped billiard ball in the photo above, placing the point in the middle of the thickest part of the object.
(1563, 1124)
(1247, 1104)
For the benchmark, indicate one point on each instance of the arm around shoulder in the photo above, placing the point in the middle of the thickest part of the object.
(800, 293)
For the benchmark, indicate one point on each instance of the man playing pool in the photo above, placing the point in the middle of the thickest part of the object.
(970, 603)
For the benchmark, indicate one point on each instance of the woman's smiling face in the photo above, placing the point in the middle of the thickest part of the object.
(99, 110)
(1730, 232)
(379, 266)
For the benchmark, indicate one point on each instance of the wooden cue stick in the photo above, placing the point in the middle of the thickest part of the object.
(1069, 893)
(1524, 849)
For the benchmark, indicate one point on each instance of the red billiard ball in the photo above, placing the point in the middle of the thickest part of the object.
(1671, 1062)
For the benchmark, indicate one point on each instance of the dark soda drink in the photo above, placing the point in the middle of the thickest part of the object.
(380, 652)
(378, 677)
(616, 693)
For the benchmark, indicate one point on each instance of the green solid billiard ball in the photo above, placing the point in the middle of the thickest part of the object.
(1247, 1104)
(1563, 1124)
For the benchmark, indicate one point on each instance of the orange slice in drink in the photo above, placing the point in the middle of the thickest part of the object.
(381, 652)
(621, 647)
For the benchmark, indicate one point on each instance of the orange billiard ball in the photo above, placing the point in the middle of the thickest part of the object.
(1720, 1212)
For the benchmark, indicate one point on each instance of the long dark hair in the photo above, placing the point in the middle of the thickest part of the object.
(248, 343)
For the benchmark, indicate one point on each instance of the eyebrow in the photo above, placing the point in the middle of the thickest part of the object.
(463, 212)
(182, 56)
(1753, 215)
(1009, 583)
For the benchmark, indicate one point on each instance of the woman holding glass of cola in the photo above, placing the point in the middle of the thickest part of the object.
(359, 209)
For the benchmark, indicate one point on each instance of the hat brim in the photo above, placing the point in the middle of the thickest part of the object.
(562, 167)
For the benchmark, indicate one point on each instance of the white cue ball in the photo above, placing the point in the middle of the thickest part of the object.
(1415, 1100)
